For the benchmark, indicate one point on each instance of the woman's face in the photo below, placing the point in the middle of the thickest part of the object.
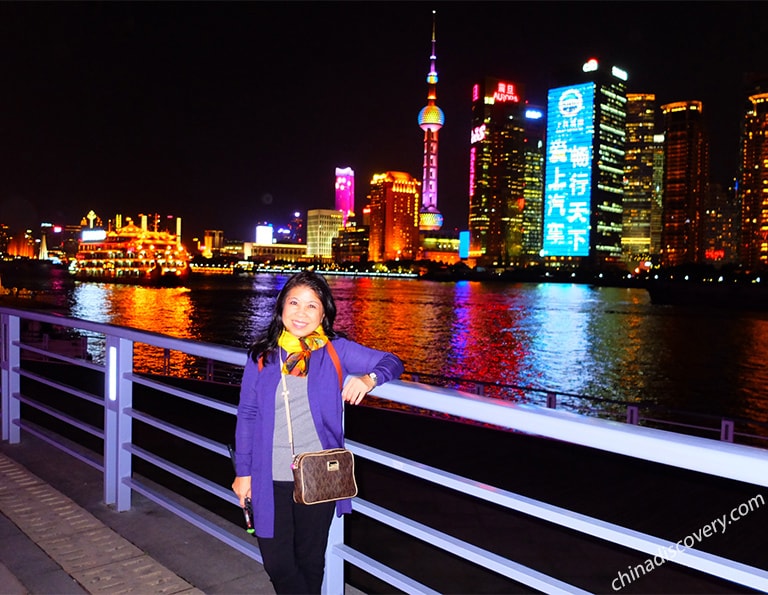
(302, 311)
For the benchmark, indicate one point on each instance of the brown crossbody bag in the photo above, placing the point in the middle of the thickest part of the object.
(324, 475)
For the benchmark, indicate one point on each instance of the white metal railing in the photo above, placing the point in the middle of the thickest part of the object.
(631, 411)
(119, 381)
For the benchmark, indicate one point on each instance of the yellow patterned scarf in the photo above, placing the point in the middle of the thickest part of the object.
(299, 350)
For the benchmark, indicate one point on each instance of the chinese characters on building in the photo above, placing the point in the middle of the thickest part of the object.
(568, 171)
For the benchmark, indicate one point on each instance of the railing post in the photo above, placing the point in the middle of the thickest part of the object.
(10, 379)
(333, 581)
(726, 430)
(209, 370)
(551, 400)
(167, 361)
(633, 414)
(118, 396)
(479, 389)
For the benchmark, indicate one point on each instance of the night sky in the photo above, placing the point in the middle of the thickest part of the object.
(228, 114)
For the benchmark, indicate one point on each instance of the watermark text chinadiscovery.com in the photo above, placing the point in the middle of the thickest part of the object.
(667, 554)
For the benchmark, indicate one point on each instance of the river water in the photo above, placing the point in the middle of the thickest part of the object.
(604, 342)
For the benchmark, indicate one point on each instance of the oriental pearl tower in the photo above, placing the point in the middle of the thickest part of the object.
(431, 119)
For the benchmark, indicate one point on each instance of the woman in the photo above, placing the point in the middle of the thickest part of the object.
(293, 537)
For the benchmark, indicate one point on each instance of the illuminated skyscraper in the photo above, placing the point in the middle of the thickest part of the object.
(584, 176)
(533, 186)
(686, 183)
(720, 225)
(497, 165)
(431, 120)
(639, 190)
(394, 217)
(345, 193)
(323, 225)
(657, 208)
(351, 245)
(753, 182)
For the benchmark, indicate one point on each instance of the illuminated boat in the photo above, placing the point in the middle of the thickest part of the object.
(131, 254)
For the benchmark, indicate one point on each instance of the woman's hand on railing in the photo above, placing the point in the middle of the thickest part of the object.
(356, 388)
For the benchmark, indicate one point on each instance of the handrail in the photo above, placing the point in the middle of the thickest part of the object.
(578, 522)
(554, 400)
(122, 385)
(734, 461)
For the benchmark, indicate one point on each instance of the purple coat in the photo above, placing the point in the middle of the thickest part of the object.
(256, 415)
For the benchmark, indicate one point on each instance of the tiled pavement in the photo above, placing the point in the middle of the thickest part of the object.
(51, 543)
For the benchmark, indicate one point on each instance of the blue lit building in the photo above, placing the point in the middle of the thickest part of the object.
(584, 171)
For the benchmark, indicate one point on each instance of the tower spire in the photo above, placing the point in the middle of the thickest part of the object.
(431, 119)
(432, 77)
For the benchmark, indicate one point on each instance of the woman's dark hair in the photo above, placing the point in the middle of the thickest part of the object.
(317, 283)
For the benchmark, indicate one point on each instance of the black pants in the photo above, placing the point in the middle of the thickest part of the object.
(295, 557)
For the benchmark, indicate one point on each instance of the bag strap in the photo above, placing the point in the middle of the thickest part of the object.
(331, 352)
(287, 407)
(336, 363)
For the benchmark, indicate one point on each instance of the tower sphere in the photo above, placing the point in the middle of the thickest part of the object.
(431, 118)
(430, 220)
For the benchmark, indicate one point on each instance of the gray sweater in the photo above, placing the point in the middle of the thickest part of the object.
(305, 438)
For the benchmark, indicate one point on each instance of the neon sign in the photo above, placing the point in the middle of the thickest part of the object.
(568, 176)
(619, 73)
(590, 65)
(472, 157)
(478, 134)
(713, 254)
(505, 92)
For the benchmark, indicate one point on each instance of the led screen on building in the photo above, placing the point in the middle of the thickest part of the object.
(264, 235)
(463, 245)
(93, 235)
(567, 197)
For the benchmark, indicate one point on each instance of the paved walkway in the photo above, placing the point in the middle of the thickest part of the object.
(51, 543)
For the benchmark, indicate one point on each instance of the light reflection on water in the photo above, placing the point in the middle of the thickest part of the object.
(601, 342)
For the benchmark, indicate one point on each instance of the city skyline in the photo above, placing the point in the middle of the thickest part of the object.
(228, 114)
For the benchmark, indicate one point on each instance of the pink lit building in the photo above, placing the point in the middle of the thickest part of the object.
(345, 193)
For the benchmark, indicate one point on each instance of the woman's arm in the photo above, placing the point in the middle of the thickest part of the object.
(247, 414)
(368, 368)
